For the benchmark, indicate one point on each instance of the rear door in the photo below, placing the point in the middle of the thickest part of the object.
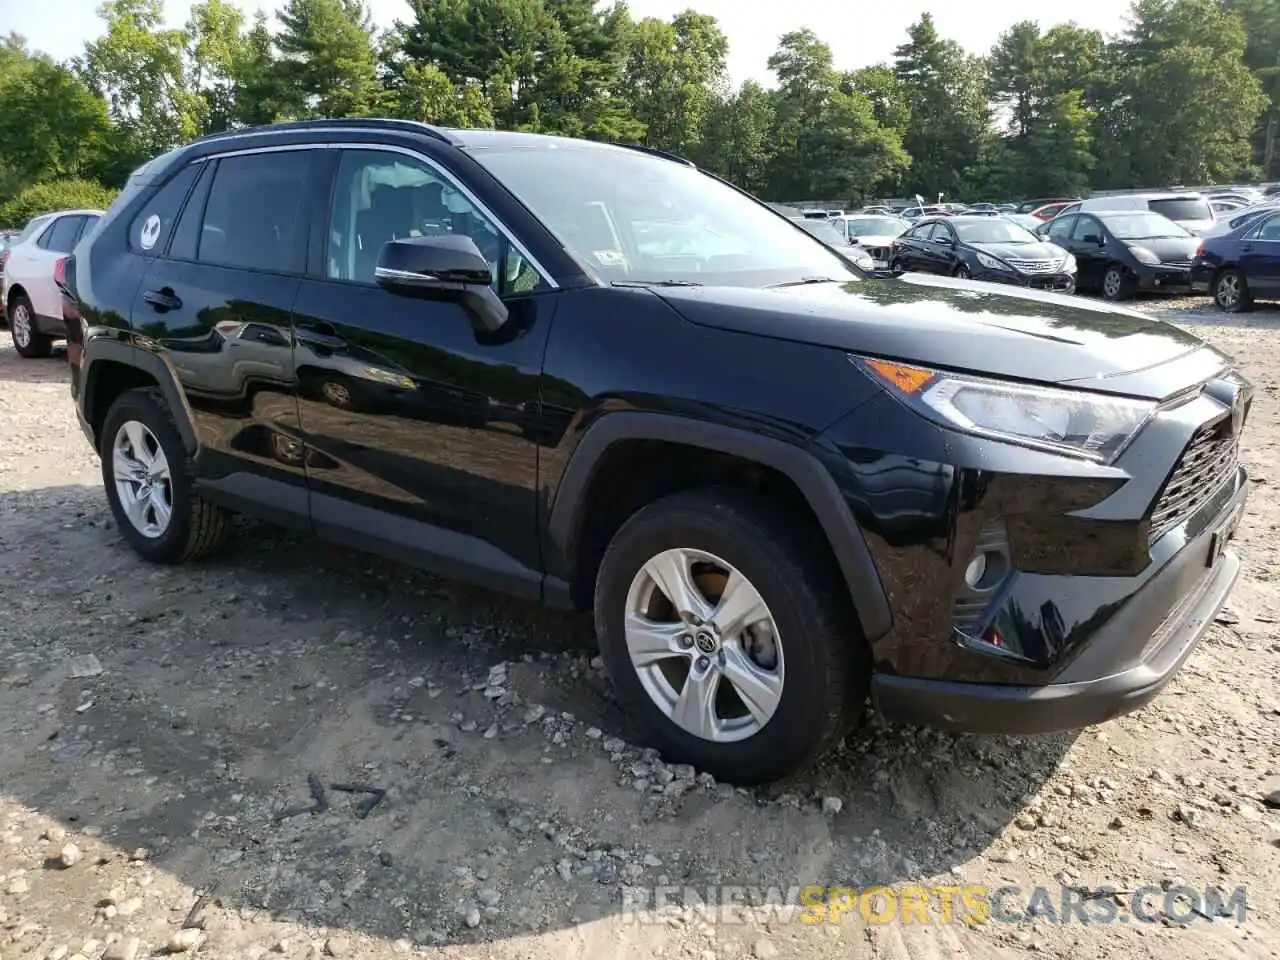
(940, 251)
(217, 300)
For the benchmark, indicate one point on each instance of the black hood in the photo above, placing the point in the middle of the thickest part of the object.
(982, 328)
(1020, 251)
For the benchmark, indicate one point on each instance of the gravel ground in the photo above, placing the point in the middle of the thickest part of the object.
(174, 744)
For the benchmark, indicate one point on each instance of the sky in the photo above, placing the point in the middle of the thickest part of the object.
(859, 32)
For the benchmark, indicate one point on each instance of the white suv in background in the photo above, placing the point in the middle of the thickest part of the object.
(32, 300)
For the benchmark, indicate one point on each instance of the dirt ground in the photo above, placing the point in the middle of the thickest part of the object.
(162, 730)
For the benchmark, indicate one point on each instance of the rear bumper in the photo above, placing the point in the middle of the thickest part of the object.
(1102, 681)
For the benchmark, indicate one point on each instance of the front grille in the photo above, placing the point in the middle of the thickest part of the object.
(1177, 263)
(1208, 461)
(879, 253)
(1035, 266)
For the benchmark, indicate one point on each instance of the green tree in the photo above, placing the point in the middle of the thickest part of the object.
(51, 124)
(673, 78)
(260, 89)
(425, 93)
(1187, 104)
(327, 65)
(138, 66)
(880, 85)
(55, 195)
(1015, 74)
(1261, 19)
(737, 142)
(829, 143)
(580, 87)
(950, 124)
(215, 48)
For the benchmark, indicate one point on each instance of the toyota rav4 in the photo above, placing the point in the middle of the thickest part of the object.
(594, 376)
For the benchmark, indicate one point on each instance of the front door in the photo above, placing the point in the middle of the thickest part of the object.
(421, 430)
(1089, 246)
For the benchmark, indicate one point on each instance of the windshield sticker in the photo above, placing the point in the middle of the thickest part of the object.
(610, 258)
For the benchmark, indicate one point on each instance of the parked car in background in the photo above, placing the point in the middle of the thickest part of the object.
(32, 301)
(1240, 218)
(875, 235)
(1030, 206)
(1241, 266)
(1191, 211)
(1048, 211)
(1122, 251)
(983, 248)
(834, 237)
(931, 210)
(1026, 221)
(781, 489)
(876, 209)
(1223, 206)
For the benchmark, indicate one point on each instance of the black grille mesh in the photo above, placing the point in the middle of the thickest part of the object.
(1209, 459)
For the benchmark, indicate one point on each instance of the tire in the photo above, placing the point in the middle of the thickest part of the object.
(1231, 292)
(195, 527)
(27, 339)
(961, 272)
(824, 667)
(1070, 287)
(1116, 284)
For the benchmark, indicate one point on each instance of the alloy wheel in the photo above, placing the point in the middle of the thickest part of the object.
(1228, 292)
(704, 645)
(143, 480)
(1111, 283)
(21, 325)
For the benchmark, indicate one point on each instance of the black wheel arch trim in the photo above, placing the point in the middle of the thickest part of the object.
(108, 349)
(795, 462)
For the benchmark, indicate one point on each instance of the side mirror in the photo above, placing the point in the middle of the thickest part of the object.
(445, 267)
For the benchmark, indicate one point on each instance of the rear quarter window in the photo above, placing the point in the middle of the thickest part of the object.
(149, 232)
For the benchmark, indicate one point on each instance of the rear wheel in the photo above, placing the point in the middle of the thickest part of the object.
(149, 482)
(1231, 292)
(727, 637)
(1117, 284)
(27, 339)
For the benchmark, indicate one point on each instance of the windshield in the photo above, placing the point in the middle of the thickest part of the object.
(875, 227)
(634, 217)
(1143, 226)
(1182, 208)
(995, 230)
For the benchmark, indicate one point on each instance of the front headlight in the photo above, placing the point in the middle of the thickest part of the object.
(1143, 255)
(991, 263)
(1091, 426)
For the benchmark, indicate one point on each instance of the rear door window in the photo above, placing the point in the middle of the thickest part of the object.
(254, 218)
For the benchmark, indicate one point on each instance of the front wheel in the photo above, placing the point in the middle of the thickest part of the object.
(1117, 284)
(1231, 292)
(27, 338)
(961, 272)
(728, 637)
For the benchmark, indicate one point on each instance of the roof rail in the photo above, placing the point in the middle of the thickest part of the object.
(331, 122)
(654, 151)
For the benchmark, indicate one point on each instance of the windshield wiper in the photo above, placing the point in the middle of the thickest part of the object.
(802, 282)
(654, 283)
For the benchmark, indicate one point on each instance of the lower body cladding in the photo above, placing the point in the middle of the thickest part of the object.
(1028, 602)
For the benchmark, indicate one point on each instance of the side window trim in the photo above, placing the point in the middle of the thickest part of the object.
(208, 170)
(1262, 228)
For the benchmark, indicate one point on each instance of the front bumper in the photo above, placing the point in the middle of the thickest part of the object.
(1163, 277)
(1085, 616)
(1123, 666)
(1058, 282)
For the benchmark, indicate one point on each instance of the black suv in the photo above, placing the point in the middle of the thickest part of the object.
(594, 376)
